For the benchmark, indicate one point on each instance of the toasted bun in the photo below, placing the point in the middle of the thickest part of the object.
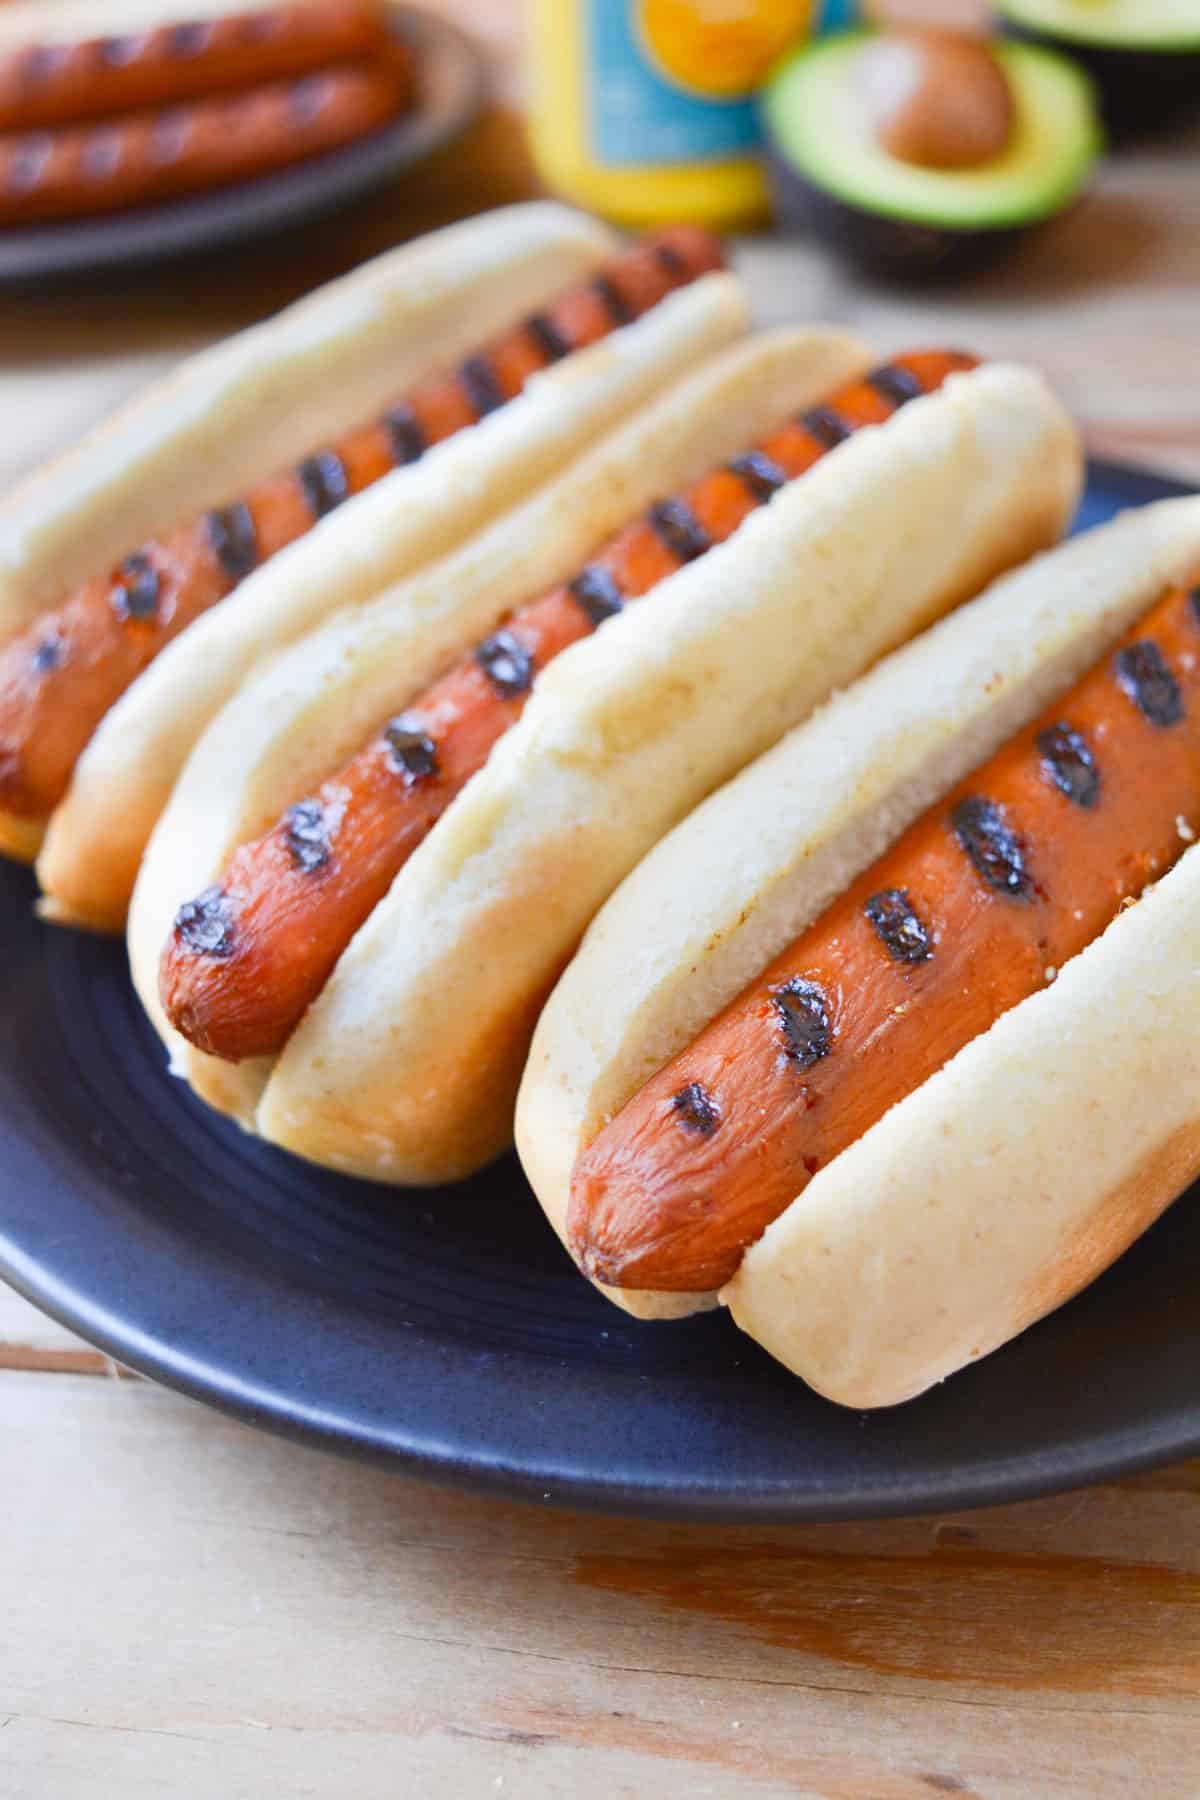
(800, 824)
(404, 522)
(406, 1067)
(1006, 1183)
(300, 719)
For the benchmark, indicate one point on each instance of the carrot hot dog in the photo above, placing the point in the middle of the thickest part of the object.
(59, 678)
(50, 84)
(862, 1085)
(405, 1065)
(143, 158)
(248, 957)
(977, 907)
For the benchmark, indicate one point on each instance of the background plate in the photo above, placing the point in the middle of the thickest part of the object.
(445, 1332)
(451, 91)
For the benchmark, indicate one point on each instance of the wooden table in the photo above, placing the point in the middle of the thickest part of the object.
(192, 1609)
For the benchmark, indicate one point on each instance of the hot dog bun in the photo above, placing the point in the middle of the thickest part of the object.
(405, 1067)
(310, 708)
(795, 829)
(99, 831)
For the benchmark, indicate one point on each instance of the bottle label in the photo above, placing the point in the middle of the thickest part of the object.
(671, 81)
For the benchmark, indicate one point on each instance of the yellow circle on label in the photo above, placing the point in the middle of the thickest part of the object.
(720, 48)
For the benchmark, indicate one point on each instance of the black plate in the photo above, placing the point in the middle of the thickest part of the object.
(445, 1332)
(451, 90)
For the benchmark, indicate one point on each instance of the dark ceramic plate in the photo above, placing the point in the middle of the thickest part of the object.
(451, 89)
(445, 1333)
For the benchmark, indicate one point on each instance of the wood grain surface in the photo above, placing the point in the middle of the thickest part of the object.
(193, 1609)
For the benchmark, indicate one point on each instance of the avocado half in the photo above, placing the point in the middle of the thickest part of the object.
(830, 176)
(1143, 55)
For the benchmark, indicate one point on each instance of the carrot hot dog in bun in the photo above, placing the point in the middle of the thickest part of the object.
(909, 1065)
(489, 306)
(385, 814)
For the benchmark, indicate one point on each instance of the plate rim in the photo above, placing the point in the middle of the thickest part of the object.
(901, 1492)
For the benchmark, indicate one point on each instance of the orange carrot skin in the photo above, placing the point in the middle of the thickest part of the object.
(43, 86)
(290, 902)
(84, 170)
(60, 677)
(975, 908)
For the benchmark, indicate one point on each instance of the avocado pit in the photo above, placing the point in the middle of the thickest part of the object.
(935, 99)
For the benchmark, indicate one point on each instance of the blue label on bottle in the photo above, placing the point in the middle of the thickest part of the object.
(638, 116)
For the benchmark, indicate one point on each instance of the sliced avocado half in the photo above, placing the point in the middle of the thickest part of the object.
(830, 172)
(1143, 55)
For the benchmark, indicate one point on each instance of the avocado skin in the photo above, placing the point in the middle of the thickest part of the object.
(1139, 91)
(896, 249)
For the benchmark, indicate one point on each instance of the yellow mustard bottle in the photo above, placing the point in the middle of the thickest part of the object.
(643, 110)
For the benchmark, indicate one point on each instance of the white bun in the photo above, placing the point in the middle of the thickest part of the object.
(311, 708)
(793, 831)
(406, 1067)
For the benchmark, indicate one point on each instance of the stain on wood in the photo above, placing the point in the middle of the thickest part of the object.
(960, 1613)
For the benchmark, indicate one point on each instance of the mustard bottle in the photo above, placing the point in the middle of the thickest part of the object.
(643, 110)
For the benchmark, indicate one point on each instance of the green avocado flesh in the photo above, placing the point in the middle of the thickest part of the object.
(813, 114)
(1111, 24)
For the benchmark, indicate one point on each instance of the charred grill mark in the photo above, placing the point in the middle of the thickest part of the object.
(613, 300)
(308, 835)
(406, 435)
(234, 539)
(670, 261)
(506, 663)
(483, 391)
(26, 164)
(324, 482)
(138, 588)
(546, 337)
(40, 63)
(413, 752)
(759, 474)
(826, 426)
(115, 52)
(994, 849)
(1068, 762)
(896, 385)
(306, 98)
(900, 930)
(189, 39)
(205, 924)
(1143, 674)
(101, 154)
(696, 1109)
(596, 590)
(802, 1010)
(169, 133)
(677, 527)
